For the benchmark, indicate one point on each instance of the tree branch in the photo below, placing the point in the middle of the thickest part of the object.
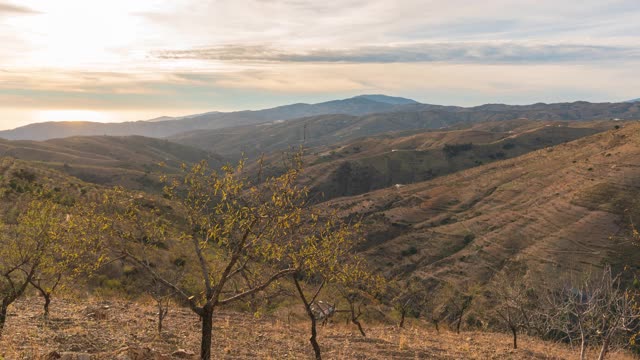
(263, 286)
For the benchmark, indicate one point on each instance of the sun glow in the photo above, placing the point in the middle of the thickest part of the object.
(72, 115)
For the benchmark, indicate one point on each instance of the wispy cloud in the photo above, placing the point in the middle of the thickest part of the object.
(199, 55)
(483, 53)
(6, 8)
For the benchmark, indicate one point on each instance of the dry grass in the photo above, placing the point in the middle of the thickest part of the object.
(241, 336)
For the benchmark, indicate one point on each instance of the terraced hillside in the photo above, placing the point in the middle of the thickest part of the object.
(565, 208)
(368, 164)
(131, 161)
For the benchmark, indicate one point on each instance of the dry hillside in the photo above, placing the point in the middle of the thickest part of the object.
(368, 164)
(129, 161)
(561, 208)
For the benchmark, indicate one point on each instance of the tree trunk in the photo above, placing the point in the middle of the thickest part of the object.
(313, 339)
(207, 329)
(314, 333)
(160, 318)
(435, 322)
(583, 345)
(354, 319)
(604, 349)
(3, 314)
(514, 330)
(402, 315)
(162, 313)
(459, 324)
(47, 303)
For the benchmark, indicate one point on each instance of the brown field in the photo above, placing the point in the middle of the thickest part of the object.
(128, 328)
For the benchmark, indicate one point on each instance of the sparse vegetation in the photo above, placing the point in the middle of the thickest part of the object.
(232, 245)
(452, 150)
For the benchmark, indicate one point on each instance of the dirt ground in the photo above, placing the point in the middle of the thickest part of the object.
(127, 330)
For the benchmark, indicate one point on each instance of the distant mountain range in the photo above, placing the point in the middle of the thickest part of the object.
(331, 129)
(167, 126)
(634, 100)
(372, 113)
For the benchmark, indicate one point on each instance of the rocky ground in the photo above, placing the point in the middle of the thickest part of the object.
(96, 330)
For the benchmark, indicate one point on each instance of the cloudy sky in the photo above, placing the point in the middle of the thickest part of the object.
(122, 60)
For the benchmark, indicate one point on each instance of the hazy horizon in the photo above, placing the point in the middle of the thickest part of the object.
(125, 61)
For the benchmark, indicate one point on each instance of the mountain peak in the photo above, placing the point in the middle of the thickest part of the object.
(393, 100)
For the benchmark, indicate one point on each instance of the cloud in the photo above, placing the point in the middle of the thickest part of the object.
(483, 53)
(15, 9)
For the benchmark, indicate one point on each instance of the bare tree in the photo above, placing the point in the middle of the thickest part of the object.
(513, 302)
(434, 310)
(407, 299)
(596, 311)
(458, 302)
(162, 297)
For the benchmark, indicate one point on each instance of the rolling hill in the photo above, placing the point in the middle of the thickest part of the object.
(166, 126)
(131, 161)
(394, 159)
(332, 129)
(556, 210)
(349, 118)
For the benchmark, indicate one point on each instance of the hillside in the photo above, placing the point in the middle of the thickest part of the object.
(557, 210)
(332, 129)
(212, 120)
(372, 163)
(133, 162)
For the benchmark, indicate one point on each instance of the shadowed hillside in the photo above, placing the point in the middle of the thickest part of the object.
(372, 163)
(562, 208)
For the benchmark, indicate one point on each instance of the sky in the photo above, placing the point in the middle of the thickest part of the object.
(123, 60)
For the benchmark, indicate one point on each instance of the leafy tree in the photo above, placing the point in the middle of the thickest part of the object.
(325, 256)
(77, 251)
(236, 236)
(23, 247)
(359, 289)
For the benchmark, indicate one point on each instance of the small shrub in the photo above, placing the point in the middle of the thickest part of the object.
(469, 238)
(452, 150)
(412, 250)
(26, 175)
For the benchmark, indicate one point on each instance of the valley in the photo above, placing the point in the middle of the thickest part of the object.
(452, 202)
